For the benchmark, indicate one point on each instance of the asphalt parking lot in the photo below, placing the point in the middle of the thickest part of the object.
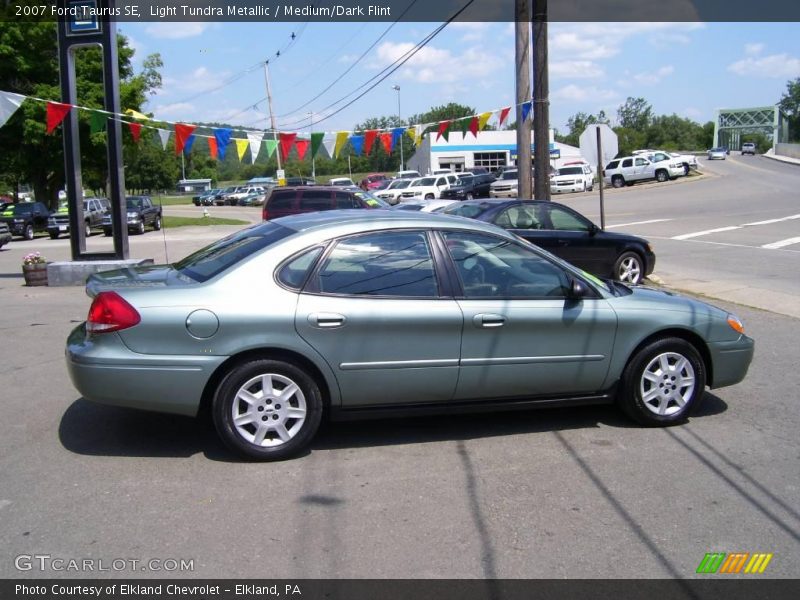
(553, 493)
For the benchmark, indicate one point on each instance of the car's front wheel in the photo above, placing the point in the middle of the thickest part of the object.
(267, 409)
(53, 235)
(662, 382)
(629, 268)
(140, 227)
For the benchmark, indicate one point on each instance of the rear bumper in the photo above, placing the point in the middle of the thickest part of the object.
(105, 371)
(730, 360)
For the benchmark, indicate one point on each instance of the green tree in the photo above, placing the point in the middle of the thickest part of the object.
(29, 66)
(635, 113)
(576, 125)
(148, 167)
(790, 105)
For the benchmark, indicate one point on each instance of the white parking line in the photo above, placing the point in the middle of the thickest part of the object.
(770, 221)
(782, 243)
(687, 236)
(637, 223)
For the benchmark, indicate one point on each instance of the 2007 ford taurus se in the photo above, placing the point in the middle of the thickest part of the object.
(360, 313)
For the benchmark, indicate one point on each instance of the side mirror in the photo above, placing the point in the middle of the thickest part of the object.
(593, 229)
(577, 290)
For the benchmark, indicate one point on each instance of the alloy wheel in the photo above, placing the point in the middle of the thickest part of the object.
(667, 383)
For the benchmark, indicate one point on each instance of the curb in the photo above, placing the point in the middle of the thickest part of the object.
(787, 160)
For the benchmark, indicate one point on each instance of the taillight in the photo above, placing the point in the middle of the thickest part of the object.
(110, 312)
(264, 213)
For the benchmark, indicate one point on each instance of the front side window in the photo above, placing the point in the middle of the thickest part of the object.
(628, 162)
(492, 267)
(386, 263)
(344, 200)
(564, 220)
(640, 162)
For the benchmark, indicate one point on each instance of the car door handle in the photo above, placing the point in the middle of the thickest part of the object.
(563, 242)
(326, 320)
(488, 320)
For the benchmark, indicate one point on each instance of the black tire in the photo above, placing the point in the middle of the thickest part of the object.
(88, 229)
(53, 235)
(267, 410)
(648, 394)
(618, 181)
(629, 268)
(662, 176)
(157, 223)
(140, 227)
(429, 197)
(469, 196)
(107, 232)
(28, 232)
(685, 170)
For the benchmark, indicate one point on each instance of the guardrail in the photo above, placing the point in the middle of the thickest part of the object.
(791, 150)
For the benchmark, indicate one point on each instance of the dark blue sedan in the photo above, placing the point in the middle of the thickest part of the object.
(567, 234)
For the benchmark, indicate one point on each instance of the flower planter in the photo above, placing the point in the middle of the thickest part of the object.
(35, 274)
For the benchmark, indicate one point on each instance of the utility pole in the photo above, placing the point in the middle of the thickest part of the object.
(311, 130)
(396, 88)
(522, 61)
(271, 114)
(541, 102)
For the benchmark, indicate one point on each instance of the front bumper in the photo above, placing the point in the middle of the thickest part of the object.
(730, 361)
(512, 193)
(106, 371)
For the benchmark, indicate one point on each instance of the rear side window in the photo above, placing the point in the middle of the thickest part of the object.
(465, 210)
(312, 199)
(282, 200)
(344, 200)
(628, 162)
(613, 164)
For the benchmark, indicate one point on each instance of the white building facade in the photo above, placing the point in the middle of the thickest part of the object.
(490, 149)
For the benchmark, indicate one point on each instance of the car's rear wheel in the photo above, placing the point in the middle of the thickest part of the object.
(629, 268)
(157, 224)
(53, 235)
(267, 409)
(88, 229)
(470, 196)
(662, 382)
(107, 232)
(617, 181)
(662, 176)
(429, 196)
(685, 170)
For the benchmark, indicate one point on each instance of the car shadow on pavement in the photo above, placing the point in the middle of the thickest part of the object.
(95, 430)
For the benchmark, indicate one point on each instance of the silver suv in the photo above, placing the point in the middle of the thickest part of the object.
(748, 148)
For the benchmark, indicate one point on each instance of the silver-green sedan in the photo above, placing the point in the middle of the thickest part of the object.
(360, 313)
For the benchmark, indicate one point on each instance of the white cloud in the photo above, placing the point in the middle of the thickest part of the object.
(577, 46)
(176, 31)
(200, 80)
(653, 77)
(575, 69)
(753, 49)
(692, 112)
(179, 109)
(774, 65)
(580, 93)
(436, 65)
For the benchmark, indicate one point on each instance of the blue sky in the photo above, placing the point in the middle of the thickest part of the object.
(686, 68)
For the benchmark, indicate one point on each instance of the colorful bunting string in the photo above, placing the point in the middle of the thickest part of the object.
(316, 142)
(55, 114)
(286, 143)
(222, 138)
(212, 148)
(136, 131)
(182, 134)
(301, 146)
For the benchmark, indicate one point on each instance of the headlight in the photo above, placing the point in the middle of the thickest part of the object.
(19, 220)
(735, 324)
(133, 215)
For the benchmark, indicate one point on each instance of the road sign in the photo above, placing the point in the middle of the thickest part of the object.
(588, 143)
(280, 175)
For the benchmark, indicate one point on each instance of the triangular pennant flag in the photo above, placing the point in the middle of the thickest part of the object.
(271, 145)
(222, 137)
(9, 103)
(316, 141)
(369, 139)
(341, 140)
(357, 144)
(97, 122)
(55, 114)
(397, 135)
(473, 126)
(241, 148)
(287, 141)
(483, 118)
(137, 115)
(330, 146)
(504, 115)
(386, 141)
(212, 147)
(254, 137)
(164, 135)
(182, 134)
(526, 109)
(443, 130)
(412, 133)
(136, 131)
(301, 146)
(463, 125)
(187, 148)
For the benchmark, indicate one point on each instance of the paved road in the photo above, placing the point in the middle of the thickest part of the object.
(555, 493)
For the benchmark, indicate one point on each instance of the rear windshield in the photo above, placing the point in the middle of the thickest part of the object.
(227, 252)
(570, 171)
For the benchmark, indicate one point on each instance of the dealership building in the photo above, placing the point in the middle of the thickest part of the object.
(490, 149)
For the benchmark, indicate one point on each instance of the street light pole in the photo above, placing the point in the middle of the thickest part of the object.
(311, 130)
(396, 88)
(271, 114)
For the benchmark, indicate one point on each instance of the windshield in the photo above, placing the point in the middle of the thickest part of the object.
(371, 200)
(227, 252)
(509, 175)
(133, 202)
(18, 209)
(399, 184)
(465, 179)
(425, 181)
(570, 171)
